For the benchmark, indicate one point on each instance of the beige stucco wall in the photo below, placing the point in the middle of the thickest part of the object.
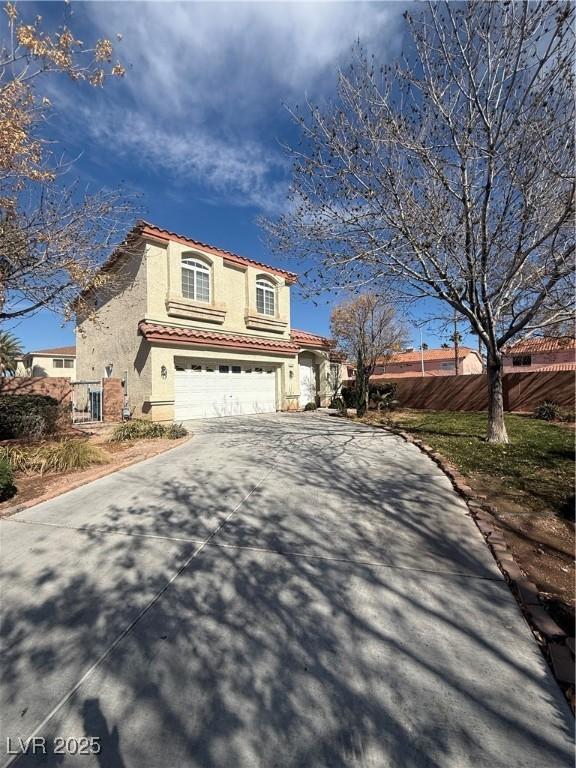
(471, 364)
(233, 290)
(43, 365)
(112, 337)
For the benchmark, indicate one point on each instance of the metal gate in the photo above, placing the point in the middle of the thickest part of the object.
(86, 401)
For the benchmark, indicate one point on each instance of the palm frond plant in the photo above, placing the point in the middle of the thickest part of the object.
(10, 351)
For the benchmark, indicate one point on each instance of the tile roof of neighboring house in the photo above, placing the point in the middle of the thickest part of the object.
(306, 339)
(542, 344)
(413, 374)
(145, 229)
(428, 354)
(198, 337)
(538, 368)
(70, 351)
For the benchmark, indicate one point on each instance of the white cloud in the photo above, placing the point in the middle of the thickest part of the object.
(204, 90)
(243, 172)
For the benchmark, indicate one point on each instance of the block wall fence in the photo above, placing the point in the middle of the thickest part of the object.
(61, 389)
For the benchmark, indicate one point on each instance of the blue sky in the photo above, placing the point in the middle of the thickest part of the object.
(197, 125)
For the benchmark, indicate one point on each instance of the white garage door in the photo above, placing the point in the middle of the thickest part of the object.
(205, 390)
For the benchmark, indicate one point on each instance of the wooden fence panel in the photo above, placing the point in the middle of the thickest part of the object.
(443, 393)
(522, 391)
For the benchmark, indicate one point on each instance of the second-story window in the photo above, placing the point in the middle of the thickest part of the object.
(195, 279)
(265, 297)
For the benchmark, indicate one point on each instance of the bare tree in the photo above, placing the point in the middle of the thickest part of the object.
(52, 237)
(367, 329)
(451, 172)
(334, 380)
(51, 251)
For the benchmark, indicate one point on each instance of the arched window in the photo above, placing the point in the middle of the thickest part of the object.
(195, 279)
(265, 297)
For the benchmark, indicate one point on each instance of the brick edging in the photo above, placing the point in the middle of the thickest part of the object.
(556, 646)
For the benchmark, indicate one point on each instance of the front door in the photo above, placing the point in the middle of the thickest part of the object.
(308, 387)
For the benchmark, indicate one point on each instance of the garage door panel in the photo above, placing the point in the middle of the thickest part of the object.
(210, 393)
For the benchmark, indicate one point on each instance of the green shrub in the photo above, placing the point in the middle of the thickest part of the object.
(27, 416)
(383, 396)
(174, 431)
(310, 407)
(128, 430)
(70, 454)
(548, 411)
(348, 394)
(7, 487)
(17, 457)
(138, 429)
(64, 455)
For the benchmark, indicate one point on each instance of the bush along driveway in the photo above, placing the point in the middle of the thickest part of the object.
(522, 495)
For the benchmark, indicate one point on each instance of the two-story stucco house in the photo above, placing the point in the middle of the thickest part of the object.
(541, 354)
(196, 331)
(56, 361)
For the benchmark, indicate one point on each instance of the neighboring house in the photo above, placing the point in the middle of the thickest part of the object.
(430, 362)
(541, 354)
(197, 331)
(56, 361)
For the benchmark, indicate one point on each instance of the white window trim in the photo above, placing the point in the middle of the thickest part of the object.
(195, 265)
(268, 288)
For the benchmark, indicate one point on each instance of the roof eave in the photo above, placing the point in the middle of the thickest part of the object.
(164, 337)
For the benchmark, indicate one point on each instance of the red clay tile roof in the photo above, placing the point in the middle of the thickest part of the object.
(413, 374)
(145, 229)
(71, 351)
(428, 354)
(305, 339)
(197, 337)
(537, 368)
(541, 344)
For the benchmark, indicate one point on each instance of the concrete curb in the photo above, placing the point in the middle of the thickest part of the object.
(553, 641)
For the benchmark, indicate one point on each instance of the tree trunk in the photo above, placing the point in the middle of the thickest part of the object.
(496, 426)
(456, 346)
(361, 388)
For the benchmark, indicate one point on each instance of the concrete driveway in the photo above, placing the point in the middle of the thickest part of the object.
(288, 590)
